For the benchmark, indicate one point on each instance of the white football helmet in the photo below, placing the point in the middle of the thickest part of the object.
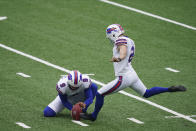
(114, 31)
(74, 79)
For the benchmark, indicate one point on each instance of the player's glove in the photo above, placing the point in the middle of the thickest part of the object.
(82, 105)
(114, 59)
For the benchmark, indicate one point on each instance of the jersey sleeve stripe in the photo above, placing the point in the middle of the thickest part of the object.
(121, 43)
(121, 40)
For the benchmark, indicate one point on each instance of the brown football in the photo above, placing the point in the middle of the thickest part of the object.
(75, 112)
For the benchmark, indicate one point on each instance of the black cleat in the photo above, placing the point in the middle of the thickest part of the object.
(87, 116)
(176, 88)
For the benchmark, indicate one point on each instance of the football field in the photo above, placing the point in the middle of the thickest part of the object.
(40, 40)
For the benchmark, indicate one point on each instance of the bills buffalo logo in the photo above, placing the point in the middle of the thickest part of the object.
(109, 30)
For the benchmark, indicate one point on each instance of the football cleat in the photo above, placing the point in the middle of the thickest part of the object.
(176, 88)
(87, 116)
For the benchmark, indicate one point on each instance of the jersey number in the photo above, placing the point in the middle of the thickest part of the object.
(85, 80)
(132, 54)
(62, 85)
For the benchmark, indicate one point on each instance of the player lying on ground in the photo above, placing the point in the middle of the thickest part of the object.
(123, 53)
(72, 89)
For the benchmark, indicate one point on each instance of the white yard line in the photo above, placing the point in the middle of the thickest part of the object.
(99, 83)
(82, 74)
(22, 125)
(158, 106)
(172, 70)
(178, 116)
(80, 123)
(23, 75)
(34, 58)
(3, 18)
(91, 74)
(148, 14)
(135, 120)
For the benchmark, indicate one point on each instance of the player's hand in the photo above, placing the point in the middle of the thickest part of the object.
(114, 59)
(82, 105)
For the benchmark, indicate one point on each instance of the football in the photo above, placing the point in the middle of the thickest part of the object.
(75, 112)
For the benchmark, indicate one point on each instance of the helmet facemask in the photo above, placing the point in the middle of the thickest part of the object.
(72, 87)
(74, 80)
(113, 32)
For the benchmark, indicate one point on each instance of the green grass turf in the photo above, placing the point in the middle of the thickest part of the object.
(177, 10)
(71, 34)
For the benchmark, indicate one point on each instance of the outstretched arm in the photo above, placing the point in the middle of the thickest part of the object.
(66, 103)
(89, 97)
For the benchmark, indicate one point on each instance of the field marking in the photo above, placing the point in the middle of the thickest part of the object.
(23, 75)
(80, 123)
(82, 74)
(159, 106)
(99, 83)
(169, 117)
(149, 14)
(91, 74)
(3, 18)
(172, 70)
(135, 120)
(23, 125)
(34, 58)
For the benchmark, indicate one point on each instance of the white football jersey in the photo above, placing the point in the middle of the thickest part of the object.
(124, 66)
(63, 87)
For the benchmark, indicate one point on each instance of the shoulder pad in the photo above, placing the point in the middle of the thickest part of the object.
(86, 81)
(62, 85)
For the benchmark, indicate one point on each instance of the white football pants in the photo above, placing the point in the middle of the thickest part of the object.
(130, 79)
(56, 105)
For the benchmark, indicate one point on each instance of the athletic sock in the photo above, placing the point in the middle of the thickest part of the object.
(48, 112)
(155, 91)
(98, 105)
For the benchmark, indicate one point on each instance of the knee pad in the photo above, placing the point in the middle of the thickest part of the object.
(48, 112)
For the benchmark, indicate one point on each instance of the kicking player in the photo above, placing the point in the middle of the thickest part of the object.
(123, 53)
(72, 89)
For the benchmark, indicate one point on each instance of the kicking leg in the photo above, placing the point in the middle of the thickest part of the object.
(140, 88)
(158, 90)
(155, 91)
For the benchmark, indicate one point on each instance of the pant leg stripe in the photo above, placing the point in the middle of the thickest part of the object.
(116, 86)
